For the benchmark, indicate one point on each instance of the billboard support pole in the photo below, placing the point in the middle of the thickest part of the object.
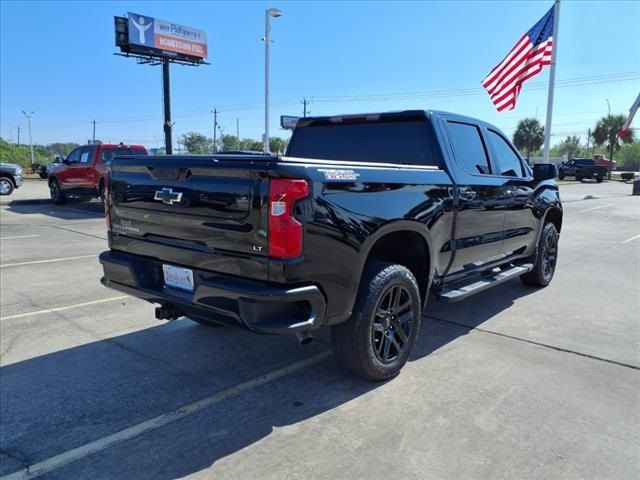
(168, 143)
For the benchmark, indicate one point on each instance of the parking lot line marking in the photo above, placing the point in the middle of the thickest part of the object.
(104, 443)
(533, 342)
(20, 236)
(635, 237)
(36, 262)
(61, 309)
(598, 207)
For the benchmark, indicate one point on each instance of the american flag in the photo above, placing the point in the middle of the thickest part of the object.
(526, 59)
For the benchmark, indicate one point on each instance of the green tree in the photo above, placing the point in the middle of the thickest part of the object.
(629, 157)
(606, 133)
(570, 146)
(61, 148)
(529, 135)
(277, 145)
(251, 145)
(229, 142)
(196, 142)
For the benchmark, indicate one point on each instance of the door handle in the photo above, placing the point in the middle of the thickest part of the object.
(468, 194)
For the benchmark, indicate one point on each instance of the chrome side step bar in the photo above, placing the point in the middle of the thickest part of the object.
(462, 291)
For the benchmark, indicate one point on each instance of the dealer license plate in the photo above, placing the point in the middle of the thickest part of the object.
(178, 277)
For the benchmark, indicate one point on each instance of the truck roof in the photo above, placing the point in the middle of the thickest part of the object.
(375, 116)
(116, 145)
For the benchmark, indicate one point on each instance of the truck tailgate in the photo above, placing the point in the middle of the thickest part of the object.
(197, 207)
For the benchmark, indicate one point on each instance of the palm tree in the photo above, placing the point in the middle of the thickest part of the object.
(607, 133)
(529, 135)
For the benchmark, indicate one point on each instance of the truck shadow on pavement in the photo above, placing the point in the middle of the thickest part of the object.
(59, 401)
(73, 210)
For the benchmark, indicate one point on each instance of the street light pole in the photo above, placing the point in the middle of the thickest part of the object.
(29, 115)
(275, 13)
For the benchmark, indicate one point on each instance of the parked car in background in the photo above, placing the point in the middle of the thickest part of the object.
(10, 178)
(43, 170)
(81, 174)
(582, 168)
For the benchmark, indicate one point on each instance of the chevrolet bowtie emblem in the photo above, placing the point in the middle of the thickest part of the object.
(168, 196)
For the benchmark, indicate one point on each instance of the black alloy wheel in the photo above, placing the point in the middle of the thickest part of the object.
(378, 338)
(549, 256)
(392, 324)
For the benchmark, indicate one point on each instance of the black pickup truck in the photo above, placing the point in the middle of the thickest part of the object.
(352, 229)
(582, 168)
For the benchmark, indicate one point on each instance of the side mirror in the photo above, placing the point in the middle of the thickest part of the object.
(544, 171)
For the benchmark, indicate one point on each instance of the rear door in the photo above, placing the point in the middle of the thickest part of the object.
(107, 154)
(480, 209)
(520, 225)
(194, 203)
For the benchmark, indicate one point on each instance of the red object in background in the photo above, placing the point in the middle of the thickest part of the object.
(604, 161)
(84, 169)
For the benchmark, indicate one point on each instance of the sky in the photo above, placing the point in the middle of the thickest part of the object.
(57, 59)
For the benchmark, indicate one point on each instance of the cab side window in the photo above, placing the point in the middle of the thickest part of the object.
(87, 155)
(468, 147)
(74, 156)
(107, 154)
(508, 160)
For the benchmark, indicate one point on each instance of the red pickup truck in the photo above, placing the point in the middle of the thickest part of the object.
(82, 172)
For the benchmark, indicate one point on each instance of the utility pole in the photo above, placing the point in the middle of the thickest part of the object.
(215, 129)
(588, 140)
(238, 131)
(305, 102)
(29, 115)
(94, 132)
(11, 134)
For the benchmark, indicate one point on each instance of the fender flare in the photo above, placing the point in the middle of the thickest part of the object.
(371, 240)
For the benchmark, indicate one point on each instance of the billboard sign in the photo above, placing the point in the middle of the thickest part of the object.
(165, 38)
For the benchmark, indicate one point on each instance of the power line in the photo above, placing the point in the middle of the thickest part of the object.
(383, 97)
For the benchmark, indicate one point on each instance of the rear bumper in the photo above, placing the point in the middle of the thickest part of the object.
(258, 306)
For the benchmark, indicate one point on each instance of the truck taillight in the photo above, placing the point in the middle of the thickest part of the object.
(106, 198)
(285, 232)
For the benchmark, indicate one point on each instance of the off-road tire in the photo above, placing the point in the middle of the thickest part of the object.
(57, 195)
(353, 341)
(7, 186)
(545, 267)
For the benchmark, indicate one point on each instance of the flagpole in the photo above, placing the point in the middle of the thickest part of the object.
(552, 81)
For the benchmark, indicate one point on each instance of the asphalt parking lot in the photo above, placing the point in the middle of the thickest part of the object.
(512, 383)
